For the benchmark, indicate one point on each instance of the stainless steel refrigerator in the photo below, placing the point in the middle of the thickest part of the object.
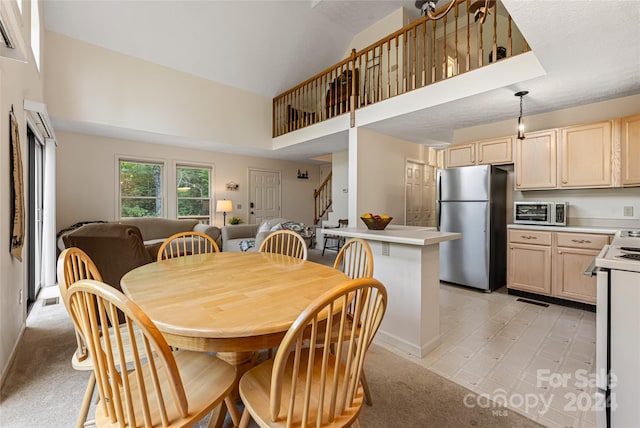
(472, 201)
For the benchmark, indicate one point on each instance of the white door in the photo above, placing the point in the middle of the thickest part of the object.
(34, 228)
(264, 195)
(416, 194)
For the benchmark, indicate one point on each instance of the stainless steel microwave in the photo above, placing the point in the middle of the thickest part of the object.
(542, 213)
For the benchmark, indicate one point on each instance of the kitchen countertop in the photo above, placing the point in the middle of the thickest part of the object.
(412, 235)
(578, 229)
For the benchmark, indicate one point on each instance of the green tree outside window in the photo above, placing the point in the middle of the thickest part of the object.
(193, 190)
(140, 189)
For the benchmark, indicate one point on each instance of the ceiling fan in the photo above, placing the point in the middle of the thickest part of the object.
(479, 9)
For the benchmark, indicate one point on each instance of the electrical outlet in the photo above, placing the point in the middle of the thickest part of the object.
(628, 211)
(20, 297)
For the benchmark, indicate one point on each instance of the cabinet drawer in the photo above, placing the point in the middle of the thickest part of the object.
(533, 237)
(581, 240)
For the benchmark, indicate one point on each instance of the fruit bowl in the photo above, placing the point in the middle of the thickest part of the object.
(376, 223)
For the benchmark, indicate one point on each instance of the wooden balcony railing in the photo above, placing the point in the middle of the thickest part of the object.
(467, 35)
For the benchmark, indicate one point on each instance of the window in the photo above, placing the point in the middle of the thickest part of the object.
(193, 190)
(141, 189)
(35, 31)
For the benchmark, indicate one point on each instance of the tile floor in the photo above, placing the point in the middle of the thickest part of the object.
(538, 360)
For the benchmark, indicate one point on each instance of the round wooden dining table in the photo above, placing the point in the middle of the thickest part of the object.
(232, 303)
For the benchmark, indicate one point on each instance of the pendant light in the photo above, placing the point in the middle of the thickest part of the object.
(520, 121)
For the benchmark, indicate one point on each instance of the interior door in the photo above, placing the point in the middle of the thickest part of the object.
(416, 194)
(264, 195)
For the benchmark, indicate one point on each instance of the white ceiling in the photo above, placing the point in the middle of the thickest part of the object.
(590, 50)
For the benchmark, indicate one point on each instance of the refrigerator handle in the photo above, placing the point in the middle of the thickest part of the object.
(438, 193)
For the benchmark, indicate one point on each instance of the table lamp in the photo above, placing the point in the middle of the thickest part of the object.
(224, 206)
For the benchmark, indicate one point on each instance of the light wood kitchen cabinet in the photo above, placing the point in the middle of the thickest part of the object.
(495, 151)
(529, 265)
(535, 161)
(573, 253)
(461, 155)
(630, 147)
(552, 263)
(585, 155)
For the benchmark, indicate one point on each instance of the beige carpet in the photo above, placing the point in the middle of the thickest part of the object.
(42, 390)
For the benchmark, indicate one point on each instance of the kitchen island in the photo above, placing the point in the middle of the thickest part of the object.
(406, 261)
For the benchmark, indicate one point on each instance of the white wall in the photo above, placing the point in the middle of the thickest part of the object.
(90, 84)
(87, 177)
(18, 81)
(381, 173)
(339, 187)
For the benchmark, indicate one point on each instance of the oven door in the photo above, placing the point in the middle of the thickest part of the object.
(602, 328)
(602, 320)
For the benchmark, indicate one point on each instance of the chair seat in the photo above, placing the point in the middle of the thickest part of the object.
(255, 389)
(206, 380)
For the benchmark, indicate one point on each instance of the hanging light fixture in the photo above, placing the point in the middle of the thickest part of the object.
(520, 121)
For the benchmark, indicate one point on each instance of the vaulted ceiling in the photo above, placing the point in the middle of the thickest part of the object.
(590, 50)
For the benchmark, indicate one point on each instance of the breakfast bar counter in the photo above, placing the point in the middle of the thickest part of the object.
(406, 261)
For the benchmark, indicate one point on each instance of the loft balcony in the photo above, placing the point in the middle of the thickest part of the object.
(460, 37)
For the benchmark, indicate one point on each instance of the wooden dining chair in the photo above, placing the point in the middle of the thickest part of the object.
(159, 387)
(74, 265)
(286, 242)
(187, 243)
(355, 259)
(334, 242)
(311, 385)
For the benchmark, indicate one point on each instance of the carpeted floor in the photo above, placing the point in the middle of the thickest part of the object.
(42, 390)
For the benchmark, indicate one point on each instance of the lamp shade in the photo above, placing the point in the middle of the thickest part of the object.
(224, 206)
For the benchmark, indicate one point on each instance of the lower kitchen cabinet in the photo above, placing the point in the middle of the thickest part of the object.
(529, 264)
(530, 268)
(552, 263)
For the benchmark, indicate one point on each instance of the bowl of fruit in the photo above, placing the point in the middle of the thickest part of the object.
(376, 222)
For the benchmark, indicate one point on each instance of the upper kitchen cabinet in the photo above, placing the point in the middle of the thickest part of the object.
(461, 155)
(630, 145)
(585, 155)
(535, 161)
(494, 151)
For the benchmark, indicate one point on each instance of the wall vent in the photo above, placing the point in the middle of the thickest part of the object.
(532, 302)
(5, 37)
(50, 301)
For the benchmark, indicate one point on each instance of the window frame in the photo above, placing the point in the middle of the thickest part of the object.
(163, 182)
(186, 164)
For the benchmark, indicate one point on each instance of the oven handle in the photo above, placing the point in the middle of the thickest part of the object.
(592, 270)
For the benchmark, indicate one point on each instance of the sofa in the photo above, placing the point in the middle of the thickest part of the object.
(155, 230)
(114, 248)
(248, 237)
(120, 246)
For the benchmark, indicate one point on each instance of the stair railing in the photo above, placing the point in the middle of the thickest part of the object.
(322, 199)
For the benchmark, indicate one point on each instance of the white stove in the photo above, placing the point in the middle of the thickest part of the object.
(623, 253)
(617, 338)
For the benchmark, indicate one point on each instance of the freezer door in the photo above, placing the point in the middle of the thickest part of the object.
(465, 261)
(464, 184)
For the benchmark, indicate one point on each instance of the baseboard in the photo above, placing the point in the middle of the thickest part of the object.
(405, 346)
(12, 356)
